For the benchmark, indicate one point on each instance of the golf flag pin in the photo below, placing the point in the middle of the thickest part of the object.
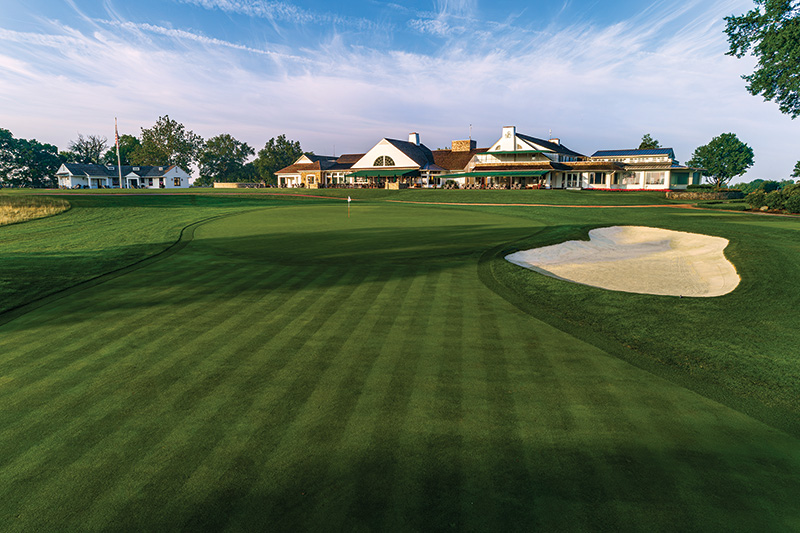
(348, 206)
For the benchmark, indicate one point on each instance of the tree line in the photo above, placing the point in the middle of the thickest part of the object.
(29, 163)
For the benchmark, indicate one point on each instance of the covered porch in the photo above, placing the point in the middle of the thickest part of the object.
(499, 179)
(398, 178)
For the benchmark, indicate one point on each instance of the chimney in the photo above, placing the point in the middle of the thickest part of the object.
(463, 146)
(413, 138)
(555, 141)
(510, 132)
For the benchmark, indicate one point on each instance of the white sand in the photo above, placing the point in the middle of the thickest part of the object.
(638, 259)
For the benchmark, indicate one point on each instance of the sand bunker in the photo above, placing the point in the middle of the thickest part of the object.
(638, 259)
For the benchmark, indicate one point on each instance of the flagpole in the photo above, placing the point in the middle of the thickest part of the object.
(119, 161)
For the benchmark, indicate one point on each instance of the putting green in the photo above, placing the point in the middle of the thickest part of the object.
(295, 369)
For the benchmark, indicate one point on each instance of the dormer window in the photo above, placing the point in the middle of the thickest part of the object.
(383, 161)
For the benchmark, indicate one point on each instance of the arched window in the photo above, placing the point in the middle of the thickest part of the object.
(383, 161)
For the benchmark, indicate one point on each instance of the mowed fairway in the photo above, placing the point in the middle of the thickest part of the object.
(293, 369)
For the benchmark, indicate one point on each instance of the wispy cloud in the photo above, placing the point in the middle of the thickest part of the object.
(663, 71)
(281, 12)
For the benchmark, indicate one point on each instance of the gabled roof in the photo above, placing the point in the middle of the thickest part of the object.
(634, 152)
(558, 148)
(451, 160)
(420, 154)
(112, 171)
(346, 161)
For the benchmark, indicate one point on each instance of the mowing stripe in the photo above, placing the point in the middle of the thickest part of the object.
(111, 408)
(317, 304)
(302, 402)
(167, 407)
(357, 397)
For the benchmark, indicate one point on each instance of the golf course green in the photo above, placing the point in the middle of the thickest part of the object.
(262, 362)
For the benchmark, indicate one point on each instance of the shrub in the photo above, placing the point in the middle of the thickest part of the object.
(756, 199)
(701, 187)
(792, 203)
(774, 200)
(769, 186)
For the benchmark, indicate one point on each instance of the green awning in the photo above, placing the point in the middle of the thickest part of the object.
(388, 173)
(498, 173)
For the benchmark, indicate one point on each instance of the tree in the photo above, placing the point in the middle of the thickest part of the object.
(796, 171)
(724, 158)
(276, 154)
(26, 163)
(771, 32)
(221, 159)
(88, 149)
(167, 143)
(127, 144)
(69, 157)
(648, 143)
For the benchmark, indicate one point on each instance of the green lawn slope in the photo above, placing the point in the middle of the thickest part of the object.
(291, 368)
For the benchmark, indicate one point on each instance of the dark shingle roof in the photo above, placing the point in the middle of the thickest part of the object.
(112, 171)
(558, 148)
(420, 154)
(451, 160)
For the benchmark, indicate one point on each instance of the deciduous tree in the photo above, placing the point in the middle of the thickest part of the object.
(222, 159)
(771, 32)
(168, 142)
(26, 163)
(724, 158)
(127, 144)
(88, 149)
(648, 143)
(796, 172)
(277, 153)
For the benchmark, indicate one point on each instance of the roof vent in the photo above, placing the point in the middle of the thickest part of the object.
(135, 168)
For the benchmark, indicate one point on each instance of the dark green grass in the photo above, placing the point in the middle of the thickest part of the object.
(743, 348)
(99, 234)
(293, 369)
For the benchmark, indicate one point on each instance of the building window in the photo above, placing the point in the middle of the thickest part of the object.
(597, 178)
(654, 178)
(383, 161)
(176, 182)
(629, 178)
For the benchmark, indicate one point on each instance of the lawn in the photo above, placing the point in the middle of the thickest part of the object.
(292, 368)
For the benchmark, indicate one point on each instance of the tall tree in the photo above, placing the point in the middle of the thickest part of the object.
(127, 144)
(27, 163)
(771, 32)
(796, 171)
(724, 158)
(222, 158)
(276, 154)
(168, 142)
(88, 149)
(648, 143)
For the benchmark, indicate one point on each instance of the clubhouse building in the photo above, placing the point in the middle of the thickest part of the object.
(91, 176)
(514, 161)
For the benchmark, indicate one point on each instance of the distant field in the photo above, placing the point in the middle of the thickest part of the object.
(290, 368)
(553, 197)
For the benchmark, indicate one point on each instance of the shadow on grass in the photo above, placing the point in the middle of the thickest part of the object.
(560, 488)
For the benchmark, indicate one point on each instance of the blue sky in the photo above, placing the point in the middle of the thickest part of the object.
(339, 76)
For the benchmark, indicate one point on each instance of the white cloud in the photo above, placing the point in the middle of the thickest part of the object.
(596, 87)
